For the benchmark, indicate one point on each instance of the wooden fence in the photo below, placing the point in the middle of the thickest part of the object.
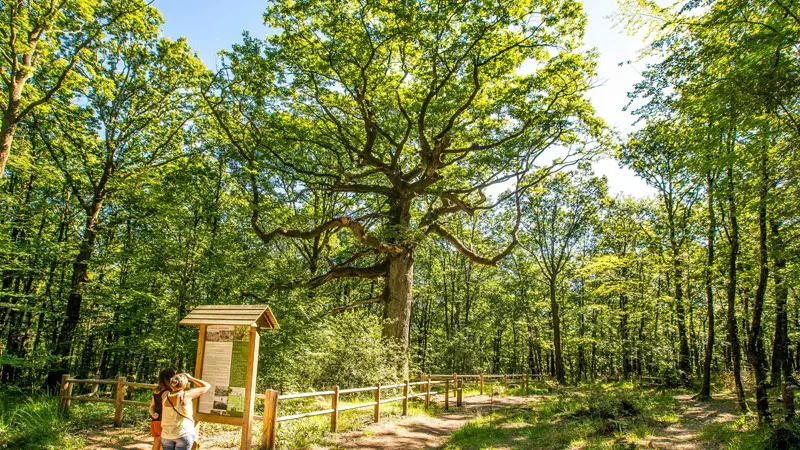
(519, 379)
(121, 385)
(447, 385)
(653, 382)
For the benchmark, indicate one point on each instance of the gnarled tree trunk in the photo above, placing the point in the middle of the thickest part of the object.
(398, 295)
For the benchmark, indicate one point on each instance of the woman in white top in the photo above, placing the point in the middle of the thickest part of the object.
(177, 423)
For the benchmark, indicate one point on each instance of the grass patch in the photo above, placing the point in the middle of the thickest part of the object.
(601, 416)
(745, 434)
(29, 419)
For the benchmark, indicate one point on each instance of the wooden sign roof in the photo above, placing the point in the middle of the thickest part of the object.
(248, 315)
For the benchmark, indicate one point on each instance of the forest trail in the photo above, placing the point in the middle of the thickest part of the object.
(685, 434)
(423, 432)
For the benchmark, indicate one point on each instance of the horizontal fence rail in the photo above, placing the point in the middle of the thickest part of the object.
(120, 385)
(653, 382)
(514, 379)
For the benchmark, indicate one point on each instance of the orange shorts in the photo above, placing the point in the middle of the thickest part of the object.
(155, 428)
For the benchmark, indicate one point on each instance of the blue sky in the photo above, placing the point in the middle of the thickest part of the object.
(213, 25)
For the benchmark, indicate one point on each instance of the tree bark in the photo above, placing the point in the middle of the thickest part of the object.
(623, 333)
(80, 277)
(684, 362)
(780, 350)
(557, 357)
(6, 139)
(397, 310)
(755, 343)
(705, 389)
(10, 119)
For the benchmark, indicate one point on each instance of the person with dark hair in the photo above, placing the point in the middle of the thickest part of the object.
(177, 428)
(156, 403)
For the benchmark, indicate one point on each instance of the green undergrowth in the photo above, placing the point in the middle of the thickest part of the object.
(610, 416)
(744, 434)
(29, 419)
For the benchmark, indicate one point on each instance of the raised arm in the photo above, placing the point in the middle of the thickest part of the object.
(201, 387)
(152, 407)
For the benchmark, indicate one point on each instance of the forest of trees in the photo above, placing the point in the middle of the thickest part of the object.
(409, 186)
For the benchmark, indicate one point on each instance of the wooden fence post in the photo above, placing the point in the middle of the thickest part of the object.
(505, 381)
(120, 396)
(446, 394)
(96, 387)
(526, 384)
(268, 435)
(335, 408)
(405, 399)
(481, 384)
(428, 392)
(62, 394)
(663, 386)
(460, 384)
(377, 414)
(67, 401)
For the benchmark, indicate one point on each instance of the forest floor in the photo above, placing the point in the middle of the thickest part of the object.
(604, 417)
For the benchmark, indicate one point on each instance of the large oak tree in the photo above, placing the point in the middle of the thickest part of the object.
(412, 111)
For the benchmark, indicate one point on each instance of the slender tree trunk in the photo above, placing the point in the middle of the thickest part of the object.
(755, 344)
(705, 390)
(558, 358)
(623, 335)
(80, 277)
(733, 261)
(581, 350)
(684, 358)
(780, 349)
(796, 321)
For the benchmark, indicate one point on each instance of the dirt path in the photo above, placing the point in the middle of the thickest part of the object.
(423, 432)
(685, 434)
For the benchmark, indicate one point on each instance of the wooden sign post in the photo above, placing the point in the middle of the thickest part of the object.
(227, 350)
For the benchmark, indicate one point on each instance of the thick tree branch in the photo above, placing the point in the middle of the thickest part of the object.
(337, 223)
(376, 271)
(470, 253)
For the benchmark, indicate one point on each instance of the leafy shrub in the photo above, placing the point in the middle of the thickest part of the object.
(608, 407)
(785, 436)
(346, 350)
